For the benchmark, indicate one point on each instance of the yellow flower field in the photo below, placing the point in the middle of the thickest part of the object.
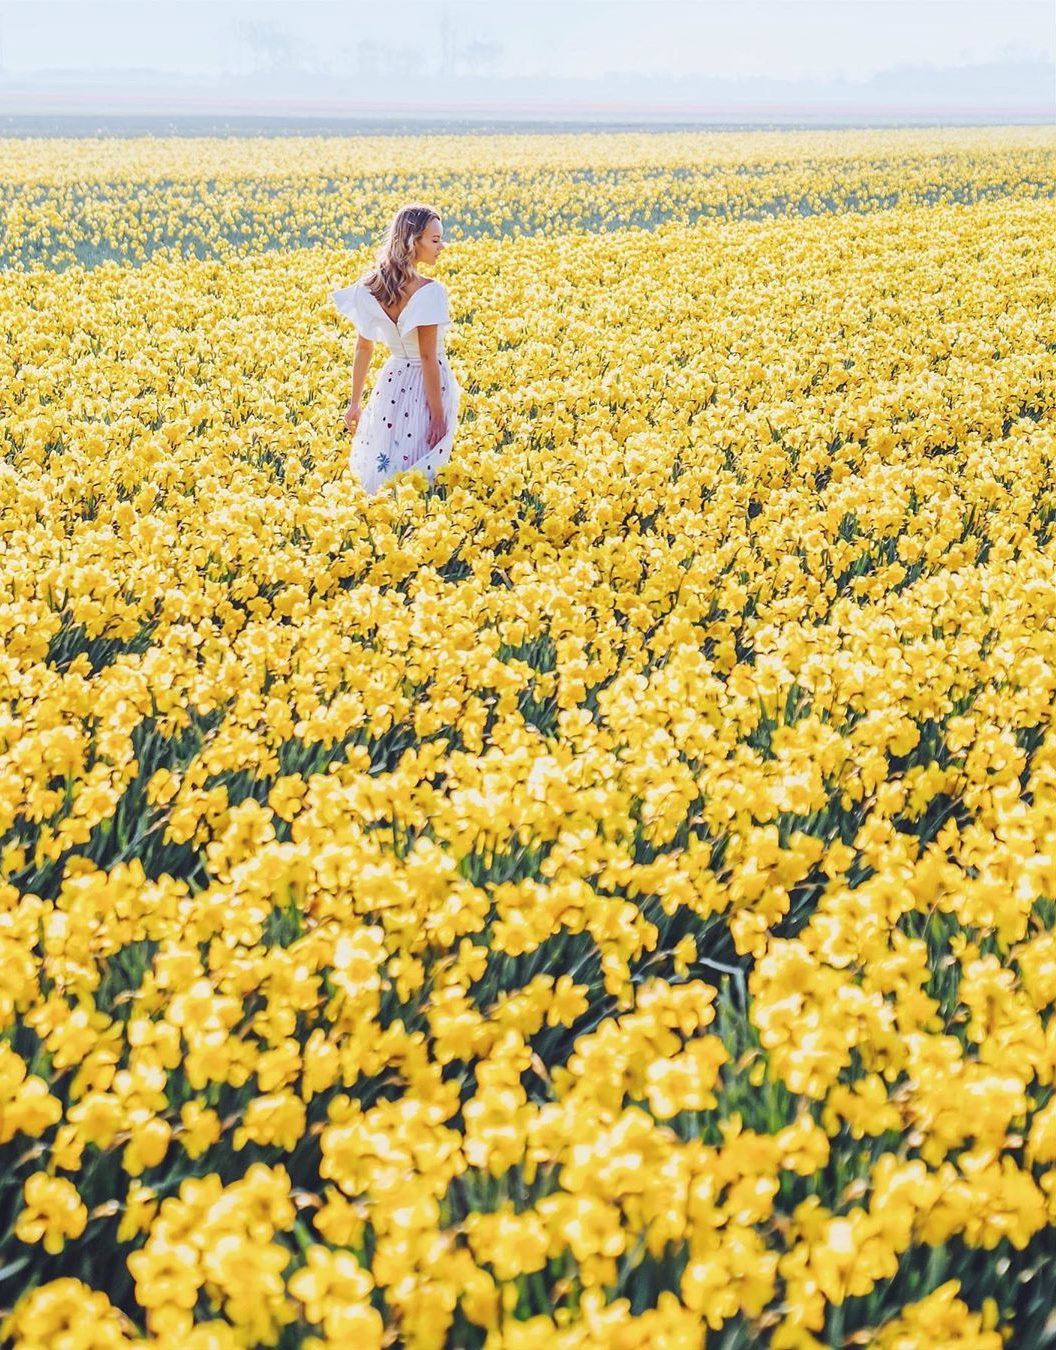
(70, 201)
(606, 898)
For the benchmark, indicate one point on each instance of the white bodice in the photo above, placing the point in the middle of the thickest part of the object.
(428, 304)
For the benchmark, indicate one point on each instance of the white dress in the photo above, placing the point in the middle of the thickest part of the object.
(392, 434)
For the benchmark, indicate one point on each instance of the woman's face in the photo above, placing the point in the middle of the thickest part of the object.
(431, 242)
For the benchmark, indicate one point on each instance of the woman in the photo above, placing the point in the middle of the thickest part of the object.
(410, 418)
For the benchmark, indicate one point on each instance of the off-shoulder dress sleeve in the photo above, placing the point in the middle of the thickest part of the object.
(431, 306)
(355, 303)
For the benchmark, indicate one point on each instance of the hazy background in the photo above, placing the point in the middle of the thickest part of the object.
(716, 60)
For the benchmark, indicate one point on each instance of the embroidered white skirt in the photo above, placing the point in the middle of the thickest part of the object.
(392, 434)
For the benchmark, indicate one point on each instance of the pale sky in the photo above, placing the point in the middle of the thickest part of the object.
(791, 39)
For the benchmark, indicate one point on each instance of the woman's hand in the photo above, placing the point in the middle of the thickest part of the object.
(352, 415)
(436, 431)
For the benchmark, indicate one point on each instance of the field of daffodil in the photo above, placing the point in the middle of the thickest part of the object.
(606, 898)
(68, 201)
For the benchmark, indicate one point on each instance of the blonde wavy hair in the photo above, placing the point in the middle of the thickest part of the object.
(394, 261)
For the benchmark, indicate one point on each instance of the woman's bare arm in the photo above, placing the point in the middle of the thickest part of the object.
(430, 367)
(364, 351)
